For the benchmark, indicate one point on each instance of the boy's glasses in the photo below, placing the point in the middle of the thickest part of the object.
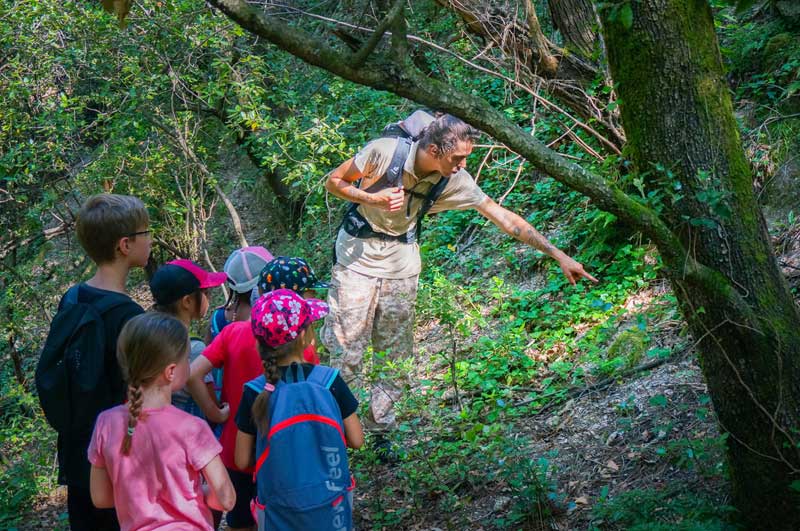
(141, 232)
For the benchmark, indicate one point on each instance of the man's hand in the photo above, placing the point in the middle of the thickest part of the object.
(390, 199)
(573, 270)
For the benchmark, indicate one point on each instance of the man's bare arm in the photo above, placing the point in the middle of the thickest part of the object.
(515, 226)
(340, 183)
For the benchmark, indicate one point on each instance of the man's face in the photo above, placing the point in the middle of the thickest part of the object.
(451, 163)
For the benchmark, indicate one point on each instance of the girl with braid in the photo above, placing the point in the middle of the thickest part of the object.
(281, 323)
(149, 459)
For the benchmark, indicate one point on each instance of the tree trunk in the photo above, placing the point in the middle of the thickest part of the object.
(682, 134)
(577, 22)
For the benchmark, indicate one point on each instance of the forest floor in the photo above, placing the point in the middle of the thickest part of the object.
(593, 442)
(608, 437)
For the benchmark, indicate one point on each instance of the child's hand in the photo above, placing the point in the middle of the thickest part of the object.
(221, 415)
(224, 411)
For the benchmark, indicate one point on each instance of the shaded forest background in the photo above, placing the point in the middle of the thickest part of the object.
(536, 404)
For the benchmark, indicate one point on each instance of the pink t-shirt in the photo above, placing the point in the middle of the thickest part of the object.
(234, 349)
(158, 485)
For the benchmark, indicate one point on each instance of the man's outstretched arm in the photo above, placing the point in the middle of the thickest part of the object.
(515, 226)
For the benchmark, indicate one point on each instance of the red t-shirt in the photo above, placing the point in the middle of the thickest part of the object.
(235, 350)
(310, 355)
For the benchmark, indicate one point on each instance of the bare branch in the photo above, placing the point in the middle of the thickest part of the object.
(362, 54)
(533, 93)
(237, 221)
(46, 235)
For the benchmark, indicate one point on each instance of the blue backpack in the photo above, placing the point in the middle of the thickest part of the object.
(302, 475)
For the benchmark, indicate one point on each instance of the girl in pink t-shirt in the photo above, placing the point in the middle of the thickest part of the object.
(149, 458)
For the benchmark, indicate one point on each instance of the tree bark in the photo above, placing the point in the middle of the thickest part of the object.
(577, 22)
(678, 117)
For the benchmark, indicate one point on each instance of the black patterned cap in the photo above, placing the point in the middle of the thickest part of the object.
(288, 273)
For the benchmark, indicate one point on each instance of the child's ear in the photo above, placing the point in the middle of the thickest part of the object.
(304, 335)
(187, 302)
(169, 372)
(124, 246)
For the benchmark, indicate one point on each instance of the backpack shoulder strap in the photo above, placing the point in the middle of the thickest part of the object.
(394, 174)
(109, 302)
(216, 317)
(433, 194)
(71, 296)
(430, 198)
(257, 384)
(323, 375)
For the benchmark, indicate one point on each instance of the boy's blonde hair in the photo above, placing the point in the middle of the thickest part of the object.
(147, 344)
(104, 219)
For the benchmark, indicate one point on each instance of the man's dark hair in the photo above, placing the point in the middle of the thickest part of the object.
(445, 132)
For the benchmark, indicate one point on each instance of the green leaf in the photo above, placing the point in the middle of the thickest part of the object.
(626, 16)
(658, 400)
(744, 5)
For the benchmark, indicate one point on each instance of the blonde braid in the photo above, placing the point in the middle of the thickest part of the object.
(135, 401)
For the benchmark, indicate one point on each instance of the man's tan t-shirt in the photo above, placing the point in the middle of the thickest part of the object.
(394, 259)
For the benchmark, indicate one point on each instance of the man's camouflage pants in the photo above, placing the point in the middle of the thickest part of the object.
(366, 309)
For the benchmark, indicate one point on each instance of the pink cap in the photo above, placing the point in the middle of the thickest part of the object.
(206, 279)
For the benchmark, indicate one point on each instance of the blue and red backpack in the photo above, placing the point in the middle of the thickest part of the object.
(302, 475)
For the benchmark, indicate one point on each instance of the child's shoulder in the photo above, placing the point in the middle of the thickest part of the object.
(86, 294)
(177, 416)
(189, 426)
(113, 414)
(236, 328)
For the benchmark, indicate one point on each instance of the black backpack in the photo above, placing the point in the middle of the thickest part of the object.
(71, 374)
(356, 225)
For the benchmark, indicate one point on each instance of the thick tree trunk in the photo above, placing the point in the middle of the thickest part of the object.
(681, 134)
(577, 22)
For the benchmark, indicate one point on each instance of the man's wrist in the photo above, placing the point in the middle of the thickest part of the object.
(370, 199)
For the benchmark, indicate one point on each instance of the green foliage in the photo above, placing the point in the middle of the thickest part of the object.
(675, 507)
(26, 451)
(763, 56)
(169, 108)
